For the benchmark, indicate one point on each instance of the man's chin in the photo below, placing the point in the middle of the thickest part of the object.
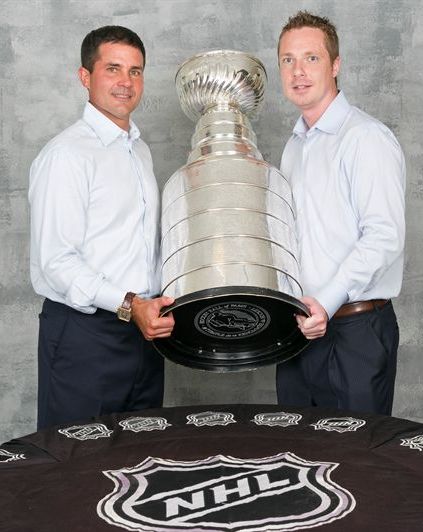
(299, 100)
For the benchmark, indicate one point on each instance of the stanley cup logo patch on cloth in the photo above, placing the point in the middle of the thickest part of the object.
(219, 493)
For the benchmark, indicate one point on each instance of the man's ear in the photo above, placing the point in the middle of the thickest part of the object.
(336, 66)
(84, 77)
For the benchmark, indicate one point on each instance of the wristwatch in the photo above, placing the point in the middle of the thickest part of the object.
(125, 310)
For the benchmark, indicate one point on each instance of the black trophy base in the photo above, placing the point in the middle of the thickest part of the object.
(233, 329)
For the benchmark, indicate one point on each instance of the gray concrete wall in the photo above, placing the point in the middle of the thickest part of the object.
(382, 71)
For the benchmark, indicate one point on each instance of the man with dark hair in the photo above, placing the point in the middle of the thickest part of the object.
(95, 249)
(107, 34)
(347, 174)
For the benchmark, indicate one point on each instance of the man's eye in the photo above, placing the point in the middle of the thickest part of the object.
(313, 58)
(136, 73)
(287, 60)
(112, 69)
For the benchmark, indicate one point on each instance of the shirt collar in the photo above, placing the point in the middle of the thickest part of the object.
(106, 130)
(330, 121)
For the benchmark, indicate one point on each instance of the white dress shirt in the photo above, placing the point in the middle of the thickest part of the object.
(347, 174)
(94, 216)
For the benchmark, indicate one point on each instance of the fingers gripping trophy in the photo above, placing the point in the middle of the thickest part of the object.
(228, 241)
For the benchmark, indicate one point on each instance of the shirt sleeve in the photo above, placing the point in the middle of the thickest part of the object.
(374, 165)
(59, 198)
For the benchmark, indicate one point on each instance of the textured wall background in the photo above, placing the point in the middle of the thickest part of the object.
(382, 72)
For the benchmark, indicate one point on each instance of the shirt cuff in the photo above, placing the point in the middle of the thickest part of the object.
(332, 297)
(109, 297)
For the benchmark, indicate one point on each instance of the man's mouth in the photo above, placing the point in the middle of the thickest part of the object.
(122, 95)
(301, 86)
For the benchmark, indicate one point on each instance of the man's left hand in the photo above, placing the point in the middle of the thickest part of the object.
(146, 314)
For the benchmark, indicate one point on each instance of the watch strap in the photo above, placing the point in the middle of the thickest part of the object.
(124, 311)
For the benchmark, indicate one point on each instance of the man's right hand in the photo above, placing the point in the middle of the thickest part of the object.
(314, 326)
(146, 315)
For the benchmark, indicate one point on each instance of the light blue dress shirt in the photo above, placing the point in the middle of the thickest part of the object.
(94, 216)
(347, 174)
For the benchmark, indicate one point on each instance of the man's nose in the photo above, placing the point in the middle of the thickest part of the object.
(125, 79)
(299, 68)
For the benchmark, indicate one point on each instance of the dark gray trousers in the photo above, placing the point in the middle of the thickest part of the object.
(352, 367)
(93, 364)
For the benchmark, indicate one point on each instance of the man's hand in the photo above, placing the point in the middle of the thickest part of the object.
(145, 313)
(314, 326)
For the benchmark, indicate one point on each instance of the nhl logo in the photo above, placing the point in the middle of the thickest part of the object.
(139, 424)
(222, 493)
(277, 419)
(339, 424)
(414, 443)
(92, 431)
(210, 419)
(6, 456)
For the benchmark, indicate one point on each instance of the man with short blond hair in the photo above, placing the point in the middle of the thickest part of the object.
(347, 173)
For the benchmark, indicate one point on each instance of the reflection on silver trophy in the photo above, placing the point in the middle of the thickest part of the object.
(228, 242)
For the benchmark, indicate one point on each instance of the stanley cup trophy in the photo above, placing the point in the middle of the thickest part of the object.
(228, 241)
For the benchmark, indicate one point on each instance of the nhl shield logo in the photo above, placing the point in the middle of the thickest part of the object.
(414, 443)
(222, 493)
(6, 456)
(339, 424)
(277, 419)
(139, 424)
(210, 419)
(93, 431)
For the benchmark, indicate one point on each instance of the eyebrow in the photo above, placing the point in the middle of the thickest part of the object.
(290, 54)
(136, 67)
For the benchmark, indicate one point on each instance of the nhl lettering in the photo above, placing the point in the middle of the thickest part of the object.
(282, 492)
(223, 493)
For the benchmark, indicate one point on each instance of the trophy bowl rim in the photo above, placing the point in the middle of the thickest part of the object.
(222, 51)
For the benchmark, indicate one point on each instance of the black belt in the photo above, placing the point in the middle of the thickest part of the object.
(359, 306)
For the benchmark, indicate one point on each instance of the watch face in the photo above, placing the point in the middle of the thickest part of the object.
(124, 314)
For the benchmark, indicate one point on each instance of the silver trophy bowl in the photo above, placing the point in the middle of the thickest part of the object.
(228, 242)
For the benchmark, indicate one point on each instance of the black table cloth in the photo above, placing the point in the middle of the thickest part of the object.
(216, 468)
